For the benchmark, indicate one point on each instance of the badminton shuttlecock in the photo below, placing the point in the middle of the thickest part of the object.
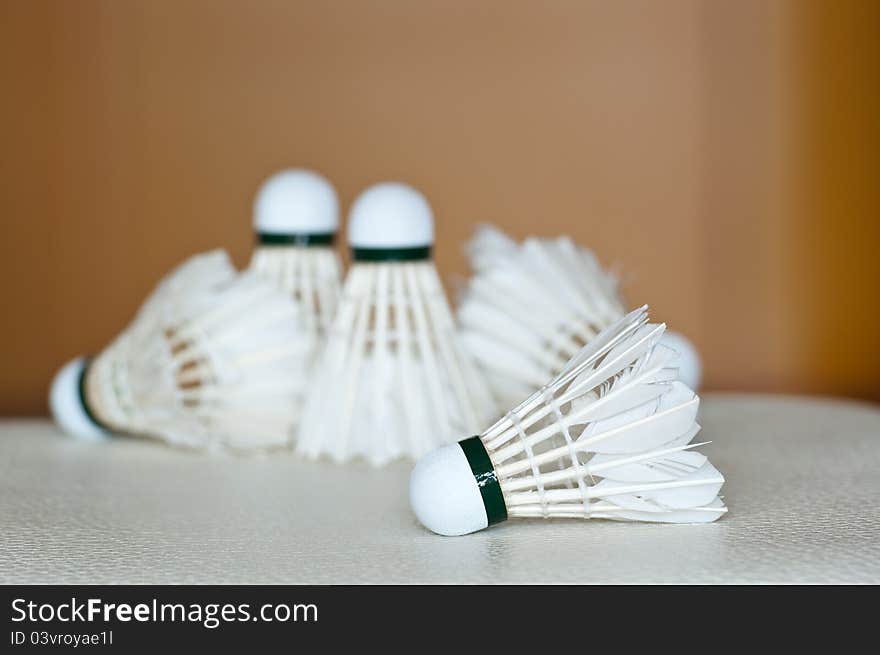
(212, 359)
(392, 380)
(530, 307)
(609, 437)
(296, 216)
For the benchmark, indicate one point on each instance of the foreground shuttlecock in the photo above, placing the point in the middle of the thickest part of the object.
(392, 380)
(296, 216)
(609, 437)
(530, 307)
(212, 359)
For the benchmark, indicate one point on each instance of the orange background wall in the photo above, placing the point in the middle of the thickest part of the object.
(723, 155)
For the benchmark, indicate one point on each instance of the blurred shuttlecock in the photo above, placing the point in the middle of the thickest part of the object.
(296, 217)
(212, 359)
(530, 307)
(392, 380)
(609, 437)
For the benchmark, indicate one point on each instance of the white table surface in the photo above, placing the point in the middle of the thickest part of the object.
(803, 487)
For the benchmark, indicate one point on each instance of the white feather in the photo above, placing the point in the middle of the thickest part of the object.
(311, 275)
(705, 514)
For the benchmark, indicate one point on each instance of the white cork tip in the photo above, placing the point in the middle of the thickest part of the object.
(391, 215)
(66, 403)
(296, 201)
(444, 494)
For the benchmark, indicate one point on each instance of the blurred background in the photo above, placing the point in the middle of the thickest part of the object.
(722, 155)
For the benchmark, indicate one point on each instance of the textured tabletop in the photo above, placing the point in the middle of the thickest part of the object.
(803, 483)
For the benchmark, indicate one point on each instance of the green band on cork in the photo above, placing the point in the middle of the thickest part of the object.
(391, 254)
(487, 479)
(82, 396)
(304, 239)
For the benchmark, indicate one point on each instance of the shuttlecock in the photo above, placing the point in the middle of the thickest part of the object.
(609, 437)
(212, 359)
(392, 380)
(530, 307)
(296, 217)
